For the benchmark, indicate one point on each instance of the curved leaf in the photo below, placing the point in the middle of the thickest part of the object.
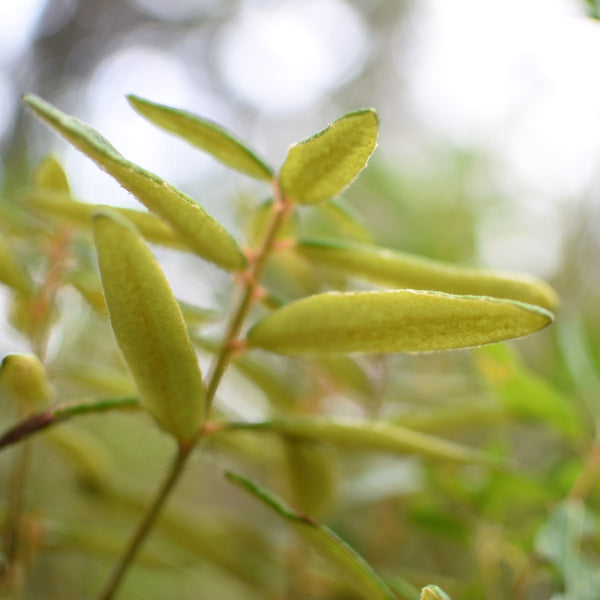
(204, 134)
(399, 269)
(199, 230)
(12, 272)
(149, 328)
(49, 174)
(321, 166)
(393, 321)
(61, 205)
(24, 376)
(433, 592)
(370, 435)
(365, 581)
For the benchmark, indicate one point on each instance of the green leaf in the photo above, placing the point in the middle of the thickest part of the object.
(199, 230)
(321, 166)
(393, 321)
(24, 377)
(149, 328)
(61, 205)
(12, 272)
(311, 474)
(204, 134)
(345, 220)
(49, 174)
(433, 592)
(560, 542)
(369, 435)
(526, 394)
(400, 270)
(365, 581)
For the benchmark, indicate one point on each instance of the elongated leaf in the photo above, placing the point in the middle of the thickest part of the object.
(24, 377)
(344, 221)
(62, 205)
(149, 328)
(199, 230)
(321, 166)
(526, 394)
(12, 272)
(311, 474)
(401, 270)
(393, 321)
(349, 563)
(433, 592)
(204, 134)
(370, 435)
(50, 175)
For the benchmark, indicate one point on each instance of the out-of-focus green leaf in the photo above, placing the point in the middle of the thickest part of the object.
(343, 220)
(349, 563)
(89, 457)
(370, 435)
(24, 377)
(96, 539)
(524, 393)
(401, 270)
(12, 272)
(393, 321)
(321, 166)
(149, 328)
(311, 475)
(204, 134)
(49, 174)
(433, 592)
(62, 206)
(195, 226)
(559, 541)
(89, 286)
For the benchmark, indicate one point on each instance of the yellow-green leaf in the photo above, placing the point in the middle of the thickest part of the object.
(344, 221)
(61, 205)
(400, 270)
(351, 565)
(321, 166)
(204, 134)
(393, 321)
(12, 272)
(24, 376)
(199, 230)
(149, 328)
(433, 592)
(49, 174)
(370, 435)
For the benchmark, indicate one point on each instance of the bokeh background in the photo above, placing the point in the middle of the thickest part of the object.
(489, 155)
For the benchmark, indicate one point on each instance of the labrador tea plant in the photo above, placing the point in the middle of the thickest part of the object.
(317, 299)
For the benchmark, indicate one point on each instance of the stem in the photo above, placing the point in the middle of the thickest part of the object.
(144, 527)
(282, 209)
(12, 533)
(589, 474)
(61, 412)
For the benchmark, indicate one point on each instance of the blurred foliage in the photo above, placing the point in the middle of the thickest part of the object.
(528, 531)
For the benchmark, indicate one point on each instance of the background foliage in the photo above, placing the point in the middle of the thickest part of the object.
(528, 531)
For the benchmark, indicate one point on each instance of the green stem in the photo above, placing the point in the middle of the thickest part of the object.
(282, 209)
(589, 475)
(144, 527)
(61, 412)
(253, 275)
